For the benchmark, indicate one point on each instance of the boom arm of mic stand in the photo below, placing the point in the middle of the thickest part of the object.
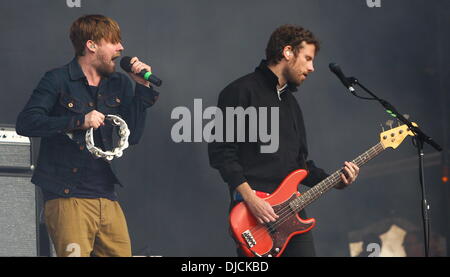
(420, 138)
(393, 112)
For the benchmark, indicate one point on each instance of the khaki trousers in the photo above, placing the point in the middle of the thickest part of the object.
(82, 227)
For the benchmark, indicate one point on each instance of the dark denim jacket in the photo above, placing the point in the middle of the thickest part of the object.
(58, 105)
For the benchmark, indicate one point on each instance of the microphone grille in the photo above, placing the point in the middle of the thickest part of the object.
(334, 67)
(125, 63)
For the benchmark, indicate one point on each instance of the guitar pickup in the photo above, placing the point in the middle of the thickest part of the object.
(247, 235)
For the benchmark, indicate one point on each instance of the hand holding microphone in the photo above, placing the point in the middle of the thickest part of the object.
(139, 71)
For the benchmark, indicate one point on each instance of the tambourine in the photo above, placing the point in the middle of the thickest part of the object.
(117, 152)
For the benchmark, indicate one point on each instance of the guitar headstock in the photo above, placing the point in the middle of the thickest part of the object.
(394, 137)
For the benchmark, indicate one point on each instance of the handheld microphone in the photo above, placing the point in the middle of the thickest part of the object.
(334, 67)
(125, 63)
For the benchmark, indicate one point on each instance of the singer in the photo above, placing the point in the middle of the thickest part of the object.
(82, 213)
(289, 60)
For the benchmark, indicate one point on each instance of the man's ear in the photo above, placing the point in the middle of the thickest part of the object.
(91, 46)
(288, 54)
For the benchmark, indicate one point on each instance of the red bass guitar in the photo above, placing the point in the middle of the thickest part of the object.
(270, 240)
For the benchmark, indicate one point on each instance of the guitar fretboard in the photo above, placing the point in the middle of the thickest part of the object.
(315, 192)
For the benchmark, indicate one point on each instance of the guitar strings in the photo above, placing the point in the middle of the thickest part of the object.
(287, 212)
(285, 215)
(335, 176)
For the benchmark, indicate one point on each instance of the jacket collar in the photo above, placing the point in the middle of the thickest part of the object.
(76, 73)
(271, 78)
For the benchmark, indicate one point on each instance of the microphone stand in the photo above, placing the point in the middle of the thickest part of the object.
(419, 139)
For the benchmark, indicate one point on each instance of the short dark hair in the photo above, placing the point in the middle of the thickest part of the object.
(288, 35)
(93, 27)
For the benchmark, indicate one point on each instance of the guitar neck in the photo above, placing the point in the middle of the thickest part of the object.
(315, 192)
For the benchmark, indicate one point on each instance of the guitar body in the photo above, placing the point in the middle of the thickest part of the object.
(270, 240)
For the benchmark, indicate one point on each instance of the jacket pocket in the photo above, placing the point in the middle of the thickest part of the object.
(70, 103)
(113, 101)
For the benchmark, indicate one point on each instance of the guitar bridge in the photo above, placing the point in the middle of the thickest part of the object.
(247, 235)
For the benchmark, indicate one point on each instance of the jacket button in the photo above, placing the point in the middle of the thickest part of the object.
(70, 105)
(74, 170)
(117, 100)
(91, 104)
(66, 191)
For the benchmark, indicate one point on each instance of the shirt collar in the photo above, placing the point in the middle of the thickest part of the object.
(281, 90)
(272, 79)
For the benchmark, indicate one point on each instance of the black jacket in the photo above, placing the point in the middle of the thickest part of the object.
(58, 105)
(240, 162)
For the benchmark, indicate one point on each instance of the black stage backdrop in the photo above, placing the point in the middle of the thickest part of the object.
(176, 205)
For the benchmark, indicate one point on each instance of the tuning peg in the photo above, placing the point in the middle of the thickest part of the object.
(389, 123)
(382, 128)
(406, 116)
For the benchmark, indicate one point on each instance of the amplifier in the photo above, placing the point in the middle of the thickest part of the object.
(15, 150)
(19, 220)
(18, 217)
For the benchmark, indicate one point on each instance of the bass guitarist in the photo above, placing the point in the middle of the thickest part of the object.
(290, 54)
